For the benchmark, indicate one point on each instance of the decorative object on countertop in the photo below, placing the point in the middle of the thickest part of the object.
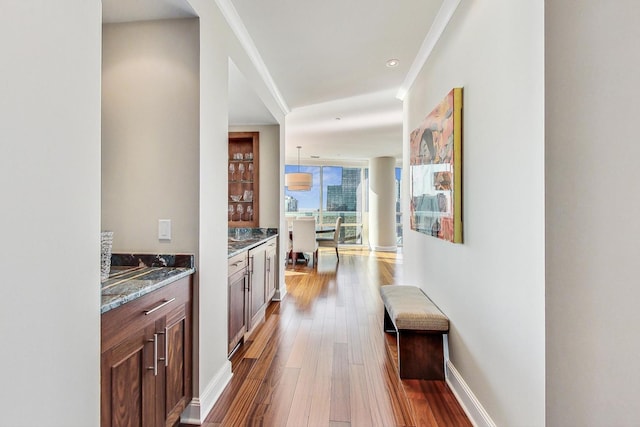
(153, 260)
(106, 243)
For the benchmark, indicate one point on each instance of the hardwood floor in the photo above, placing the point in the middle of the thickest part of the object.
(321, 357)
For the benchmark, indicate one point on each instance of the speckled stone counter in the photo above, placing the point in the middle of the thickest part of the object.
(134, 275)
(243, 239)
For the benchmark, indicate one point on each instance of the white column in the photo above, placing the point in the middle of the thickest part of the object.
(382, 204)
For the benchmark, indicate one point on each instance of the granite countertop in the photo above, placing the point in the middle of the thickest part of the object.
(133, 276)
(243, 239)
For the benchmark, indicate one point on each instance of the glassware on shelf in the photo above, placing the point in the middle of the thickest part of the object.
(232, 171)
(250, 168)
(240, 210)
(241, 170)
(231, 212)
(249, 213)
(248, 196)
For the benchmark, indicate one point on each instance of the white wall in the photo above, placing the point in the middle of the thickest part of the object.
(217, 44)
(593, 206)
(150, 134)
(492, 286)
(269, 172)
(50, 174)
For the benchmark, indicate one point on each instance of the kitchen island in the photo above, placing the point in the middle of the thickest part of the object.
(146, 339)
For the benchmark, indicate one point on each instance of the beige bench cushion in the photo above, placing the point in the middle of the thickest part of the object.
(410, 308)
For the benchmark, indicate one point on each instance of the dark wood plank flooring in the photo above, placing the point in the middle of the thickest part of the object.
(322, 359)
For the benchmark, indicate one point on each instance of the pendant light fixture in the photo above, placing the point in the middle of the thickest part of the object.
(298, 181)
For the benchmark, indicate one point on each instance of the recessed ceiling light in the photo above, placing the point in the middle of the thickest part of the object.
(338, 118)
(392, 63)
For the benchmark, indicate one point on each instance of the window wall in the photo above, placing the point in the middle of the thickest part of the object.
(336, 192)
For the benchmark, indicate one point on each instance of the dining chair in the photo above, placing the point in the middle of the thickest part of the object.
(304, 239)
(331, 242)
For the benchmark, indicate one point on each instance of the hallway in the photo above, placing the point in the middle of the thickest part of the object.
(321, 359)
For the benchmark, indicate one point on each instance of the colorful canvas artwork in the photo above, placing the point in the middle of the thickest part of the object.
(436, 171)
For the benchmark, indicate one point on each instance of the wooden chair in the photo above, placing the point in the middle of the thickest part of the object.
(331, 242)
(304, 239)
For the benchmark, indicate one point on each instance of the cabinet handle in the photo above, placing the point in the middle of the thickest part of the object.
(268, 264)
(164, 359)
(165, 302)
(251, 264)
(155, 355)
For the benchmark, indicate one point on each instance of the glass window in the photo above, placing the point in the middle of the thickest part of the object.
(336, 191)
(342, 196)
(303, 203)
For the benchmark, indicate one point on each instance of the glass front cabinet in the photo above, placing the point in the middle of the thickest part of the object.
(243, 171)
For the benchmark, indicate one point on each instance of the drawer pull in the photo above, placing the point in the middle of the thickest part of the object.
(165, 302)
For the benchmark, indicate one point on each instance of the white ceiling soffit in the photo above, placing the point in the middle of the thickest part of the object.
(334, 49)
(357, 128)
(440, 22)
(245, 107)
(328, 60)
(233, 19)
(114, 11)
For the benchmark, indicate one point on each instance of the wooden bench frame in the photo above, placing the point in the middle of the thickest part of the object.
(420, 352)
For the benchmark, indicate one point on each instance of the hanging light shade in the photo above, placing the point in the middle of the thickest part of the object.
(298, 181)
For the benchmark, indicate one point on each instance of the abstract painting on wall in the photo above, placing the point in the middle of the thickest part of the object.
(436, 171)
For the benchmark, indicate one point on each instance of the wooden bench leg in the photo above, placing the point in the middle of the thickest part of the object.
(388, 323)
(420, 355)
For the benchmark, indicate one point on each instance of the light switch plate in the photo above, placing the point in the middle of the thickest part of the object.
(164, 229)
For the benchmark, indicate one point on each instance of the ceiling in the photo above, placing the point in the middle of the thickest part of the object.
(328, 61)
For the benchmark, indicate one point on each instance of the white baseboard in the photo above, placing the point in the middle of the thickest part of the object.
(199, 407)
(470, 404)
(280, 293)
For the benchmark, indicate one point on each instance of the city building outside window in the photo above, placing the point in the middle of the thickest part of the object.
(339, 191)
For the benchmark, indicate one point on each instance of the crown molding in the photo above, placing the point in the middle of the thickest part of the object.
(237, 26)
(440, 22)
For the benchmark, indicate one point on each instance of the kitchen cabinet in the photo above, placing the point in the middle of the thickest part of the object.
(146, 354)
(243, 182)
(251, 285)
(237, 296)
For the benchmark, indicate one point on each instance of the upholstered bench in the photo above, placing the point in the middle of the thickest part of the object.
(419, 327)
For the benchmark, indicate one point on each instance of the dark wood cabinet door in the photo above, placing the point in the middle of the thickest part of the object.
(257, 276)
(128, 382)
(146, 358)
(237, 308)
(177, 363)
